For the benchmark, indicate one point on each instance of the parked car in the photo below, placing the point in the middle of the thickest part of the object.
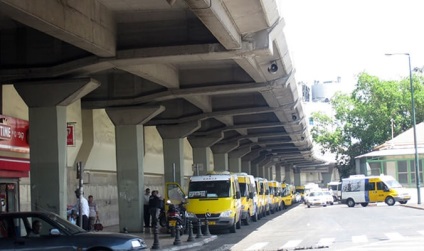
(48, 231)
(316, 198)
(328, 197)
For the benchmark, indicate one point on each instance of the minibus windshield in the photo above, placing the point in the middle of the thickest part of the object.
(209, 189)
(393, 184)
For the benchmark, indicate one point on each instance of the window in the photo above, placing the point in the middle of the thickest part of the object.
(370, 186)
(381, 186)
(403, 171)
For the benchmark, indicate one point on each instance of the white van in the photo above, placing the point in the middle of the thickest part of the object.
(361, 189)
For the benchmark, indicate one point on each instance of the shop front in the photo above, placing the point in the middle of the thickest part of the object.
(14, 160)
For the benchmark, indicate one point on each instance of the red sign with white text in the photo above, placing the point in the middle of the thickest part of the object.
(14, 134)
(70, 139)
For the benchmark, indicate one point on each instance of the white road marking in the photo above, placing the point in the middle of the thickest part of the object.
(359, 239)
(291, 244)
(325, 241)
(394, 236)
(257, 246)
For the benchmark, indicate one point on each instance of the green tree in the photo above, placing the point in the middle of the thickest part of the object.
(363, 118)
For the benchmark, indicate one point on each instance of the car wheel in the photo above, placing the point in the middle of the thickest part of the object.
(238, 224)
(390, 201)
(364, 204)
(309, 206)
(283, 206)
(233, 227)
(247, 220)
(255, 217)
(350, 202)
(403, 202)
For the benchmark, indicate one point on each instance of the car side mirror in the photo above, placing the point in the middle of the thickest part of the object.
(54, 232)
(238, 195)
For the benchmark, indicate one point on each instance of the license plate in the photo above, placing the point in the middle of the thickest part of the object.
(211, 222)
(172, 223)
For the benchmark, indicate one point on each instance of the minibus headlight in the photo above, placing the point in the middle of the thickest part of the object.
(226, 213)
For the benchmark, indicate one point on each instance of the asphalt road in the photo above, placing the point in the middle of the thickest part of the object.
(337, 227)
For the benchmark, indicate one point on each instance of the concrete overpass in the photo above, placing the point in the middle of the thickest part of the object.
(217, 72)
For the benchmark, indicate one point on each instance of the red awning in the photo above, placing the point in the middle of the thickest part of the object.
(14, 167)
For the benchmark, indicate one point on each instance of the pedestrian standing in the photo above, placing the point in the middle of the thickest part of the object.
(94, 214)
(155, 204)
(85, 210)
(146, 208)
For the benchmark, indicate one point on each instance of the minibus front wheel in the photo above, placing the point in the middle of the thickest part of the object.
(364, 204)
(390, 201)
(233, 226)
(350, 202)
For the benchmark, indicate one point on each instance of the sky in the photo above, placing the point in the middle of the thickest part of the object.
(341, 38)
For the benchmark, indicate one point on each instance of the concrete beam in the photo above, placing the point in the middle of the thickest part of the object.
(216, 18)
(205, 141)
(55, 92)
(124, 58)
(239, 152)
(88, 25)
(160, 74)
(224, 148)
(133, 115)
(178, 131)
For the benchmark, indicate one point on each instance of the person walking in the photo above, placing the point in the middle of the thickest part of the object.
(155, 204)
(146, 208)
(82, 207)
(94, 214)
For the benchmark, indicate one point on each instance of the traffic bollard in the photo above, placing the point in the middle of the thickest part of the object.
(190, 231)
(177, 240)
(207, 233)
(156, 237)
(199, 229)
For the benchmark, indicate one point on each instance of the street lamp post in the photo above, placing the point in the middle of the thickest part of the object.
(417, 175)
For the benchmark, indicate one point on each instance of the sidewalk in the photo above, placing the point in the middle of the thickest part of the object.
(166, 242)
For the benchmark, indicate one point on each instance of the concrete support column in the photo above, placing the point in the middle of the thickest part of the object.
(47, 101)
(202, 159)
(278, 172)
(297, 180)
(234, 159)
(287, 175)
(173, 153)
(234, 165)
(270, 169)
(246, 167)
(129, 136)
(201, 146)
(220, 155)
(248, 163)
(326, 177)
(173, 149)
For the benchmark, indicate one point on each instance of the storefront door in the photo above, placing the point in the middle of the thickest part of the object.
(9, 195)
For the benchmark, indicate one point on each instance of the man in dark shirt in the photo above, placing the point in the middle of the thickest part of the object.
(155, 205)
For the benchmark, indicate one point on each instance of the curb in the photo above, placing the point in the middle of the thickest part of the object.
(189, 246)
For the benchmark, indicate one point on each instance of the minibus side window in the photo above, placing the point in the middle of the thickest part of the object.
(382, 186)
(370, 186)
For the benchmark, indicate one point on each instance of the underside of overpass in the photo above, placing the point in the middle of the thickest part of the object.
(223, 63)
